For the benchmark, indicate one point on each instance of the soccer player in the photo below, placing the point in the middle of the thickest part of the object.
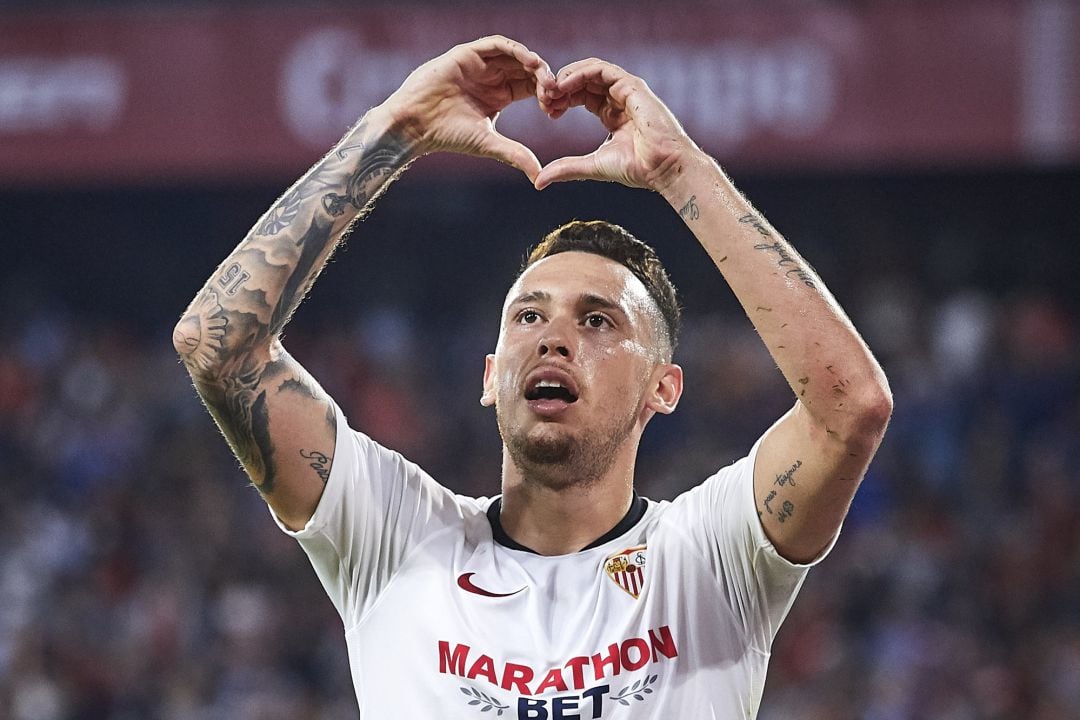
(567, 596)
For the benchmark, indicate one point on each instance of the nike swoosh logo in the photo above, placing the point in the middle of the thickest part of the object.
(465, 582)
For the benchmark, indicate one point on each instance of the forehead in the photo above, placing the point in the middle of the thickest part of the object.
(571, 275)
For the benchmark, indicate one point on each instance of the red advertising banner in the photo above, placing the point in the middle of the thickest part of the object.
(172, 94)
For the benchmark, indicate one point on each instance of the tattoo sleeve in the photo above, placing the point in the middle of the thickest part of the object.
(227, 338)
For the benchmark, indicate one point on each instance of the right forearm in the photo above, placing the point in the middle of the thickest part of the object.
(249, 298)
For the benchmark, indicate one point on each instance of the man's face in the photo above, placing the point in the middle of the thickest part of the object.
(578, 369)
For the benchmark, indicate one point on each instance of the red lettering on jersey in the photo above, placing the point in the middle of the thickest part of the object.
(554, 679)
(483, 666)
(518, 675)
(664, 644)
(631, 654)
(577, 664)
(642, 648)
(453, 663)
(612, 659)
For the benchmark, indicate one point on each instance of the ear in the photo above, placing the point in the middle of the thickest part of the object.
(667, 386)
(487, 399)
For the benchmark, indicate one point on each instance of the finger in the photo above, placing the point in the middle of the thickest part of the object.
(598, 73)
(574, 167)
(512, 153)
(555, 109)
(590, 100)
(495, 46)
(522, 88)
(624, 96)
(599, 105)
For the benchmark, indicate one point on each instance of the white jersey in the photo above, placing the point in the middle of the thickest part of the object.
(671, 616)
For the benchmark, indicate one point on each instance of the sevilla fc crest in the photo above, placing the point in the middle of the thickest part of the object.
(627, 569)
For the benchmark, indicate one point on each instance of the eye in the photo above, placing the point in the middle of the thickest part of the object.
(528, 317)
(597, 320)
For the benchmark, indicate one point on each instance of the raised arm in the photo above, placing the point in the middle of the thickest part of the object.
(811, 462)
(278, 421)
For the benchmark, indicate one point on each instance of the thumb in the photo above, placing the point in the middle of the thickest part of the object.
(511, 152)
(574, 167)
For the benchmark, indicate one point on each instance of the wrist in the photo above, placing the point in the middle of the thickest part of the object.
(695, 174)
(384, 121)
(697, 178)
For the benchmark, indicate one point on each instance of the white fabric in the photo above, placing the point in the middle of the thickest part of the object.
(389, 545)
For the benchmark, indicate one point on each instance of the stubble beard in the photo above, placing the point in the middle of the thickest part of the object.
(562, 461)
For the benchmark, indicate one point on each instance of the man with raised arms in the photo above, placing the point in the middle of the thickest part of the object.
(568, 595)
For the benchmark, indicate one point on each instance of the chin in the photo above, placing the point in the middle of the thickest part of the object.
(542, 445)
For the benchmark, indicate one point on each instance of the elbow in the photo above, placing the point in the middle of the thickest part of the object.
(874, 410)
(198, 343)
(185, 336)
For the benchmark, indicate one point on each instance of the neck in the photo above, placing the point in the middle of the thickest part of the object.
(557, 521)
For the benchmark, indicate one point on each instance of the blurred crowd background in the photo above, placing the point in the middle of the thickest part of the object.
(142, 577)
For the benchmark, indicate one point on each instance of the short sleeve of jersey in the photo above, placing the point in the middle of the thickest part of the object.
(758, 584)
(376, 507)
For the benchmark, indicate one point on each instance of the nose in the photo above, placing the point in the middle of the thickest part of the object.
(554, 343)
(547, 347)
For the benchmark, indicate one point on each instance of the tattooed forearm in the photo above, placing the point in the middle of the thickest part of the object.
(227, 337)
(319, 462)
(233, 278)
(690, 211)
(261, 283)
(785, 260)
(378, 167)
(339, 185)
(237, 401)
(311, 246)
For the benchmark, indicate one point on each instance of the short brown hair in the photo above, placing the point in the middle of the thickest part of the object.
(600, 237)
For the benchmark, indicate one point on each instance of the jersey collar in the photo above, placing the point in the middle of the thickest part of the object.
(637, 511)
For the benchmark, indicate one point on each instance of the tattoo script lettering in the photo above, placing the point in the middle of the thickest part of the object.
(690, 211)
(788, 478)
(783, 252)
(320, 463)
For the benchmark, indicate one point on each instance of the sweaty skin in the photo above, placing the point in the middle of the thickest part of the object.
(812, 460)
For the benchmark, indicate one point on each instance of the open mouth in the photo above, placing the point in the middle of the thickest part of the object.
(550, 390)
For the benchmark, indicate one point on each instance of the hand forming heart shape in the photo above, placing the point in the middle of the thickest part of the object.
(451, 104)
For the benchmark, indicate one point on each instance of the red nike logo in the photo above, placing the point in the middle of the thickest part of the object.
(465, 582)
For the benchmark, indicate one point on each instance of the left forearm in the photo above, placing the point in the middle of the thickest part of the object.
(826, 363)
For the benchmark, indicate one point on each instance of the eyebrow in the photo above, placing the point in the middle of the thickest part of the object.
(601, 302)
(529, 297)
